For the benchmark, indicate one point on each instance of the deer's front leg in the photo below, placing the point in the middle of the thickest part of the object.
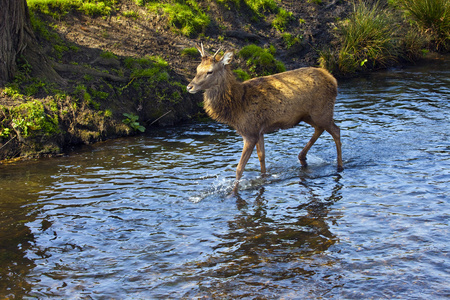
(246, 152)
(249, 145)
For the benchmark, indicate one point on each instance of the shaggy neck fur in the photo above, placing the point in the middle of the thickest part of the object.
(225, 101)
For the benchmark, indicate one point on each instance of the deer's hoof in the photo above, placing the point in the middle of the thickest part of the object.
(303, 162)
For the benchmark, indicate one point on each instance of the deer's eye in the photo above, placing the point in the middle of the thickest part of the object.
(209, 73)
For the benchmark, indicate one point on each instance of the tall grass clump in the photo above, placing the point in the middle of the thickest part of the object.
(366, 41)
(432, 17)
(184, 16)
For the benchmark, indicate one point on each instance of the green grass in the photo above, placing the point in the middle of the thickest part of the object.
(432, 17)
(58, 8)
(184, 16)
(260, 6)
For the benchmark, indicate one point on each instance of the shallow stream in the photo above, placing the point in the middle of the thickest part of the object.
(151, 217)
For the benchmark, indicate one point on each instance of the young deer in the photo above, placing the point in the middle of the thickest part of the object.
(266, 104)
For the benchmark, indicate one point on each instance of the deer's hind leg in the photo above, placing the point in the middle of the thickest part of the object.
(317, 133)
(335, 132)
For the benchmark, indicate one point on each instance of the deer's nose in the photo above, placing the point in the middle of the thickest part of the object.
(190, 89)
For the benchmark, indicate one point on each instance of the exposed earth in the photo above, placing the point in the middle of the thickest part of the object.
(148, 34)
(113, 89)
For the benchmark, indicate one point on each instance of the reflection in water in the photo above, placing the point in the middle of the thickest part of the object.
(274, 248)
(150, 217)
(15, 241)
(17, 200)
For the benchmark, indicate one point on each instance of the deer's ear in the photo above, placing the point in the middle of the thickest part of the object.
(227, 57)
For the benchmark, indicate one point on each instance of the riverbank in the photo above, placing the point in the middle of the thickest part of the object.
(124, 65)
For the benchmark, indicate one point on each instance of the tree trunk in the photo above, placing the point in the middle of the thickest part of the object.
(17, 38)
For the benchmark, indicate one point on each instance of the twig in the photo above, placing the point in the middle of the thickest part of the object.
(7, 142)
(160, 118)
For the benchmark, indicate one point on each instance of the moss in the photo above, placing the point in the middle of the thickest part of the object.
(241, 74)
(261, 62)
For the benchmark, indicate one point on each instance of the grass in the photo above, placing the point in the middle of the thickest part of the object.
(432, 17)
(184, 16)
(366, 41)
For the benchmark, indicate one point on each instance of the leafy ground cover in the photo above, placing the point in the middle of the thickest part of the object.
(135, 57)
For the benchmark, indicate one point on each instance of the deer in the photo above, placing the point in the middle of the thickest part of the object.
(267, 104)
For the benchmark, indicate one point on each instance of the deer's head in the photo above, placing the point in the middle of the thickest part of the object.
(210, 72)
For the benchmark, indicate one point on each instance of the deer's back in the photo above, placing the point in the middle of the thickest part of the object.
(283, 100)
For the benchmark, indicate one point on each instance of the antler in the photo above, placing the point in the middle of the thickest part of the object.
(201, 50)
(214, 57)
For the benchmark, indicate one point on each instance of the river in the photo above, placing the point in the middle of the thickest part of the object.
(151, 217)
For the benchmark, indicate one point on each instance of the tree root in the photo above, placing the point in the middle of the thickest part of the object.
(83, 70)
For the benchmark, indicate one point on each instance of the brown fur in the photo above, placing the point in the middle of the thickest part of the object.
(266, 104)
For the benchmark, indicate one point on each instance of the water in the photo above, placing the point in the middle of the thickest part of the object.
(151, 217)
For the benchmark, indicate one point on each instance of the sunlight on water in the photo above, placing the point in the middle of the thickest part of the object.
(153, 217)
